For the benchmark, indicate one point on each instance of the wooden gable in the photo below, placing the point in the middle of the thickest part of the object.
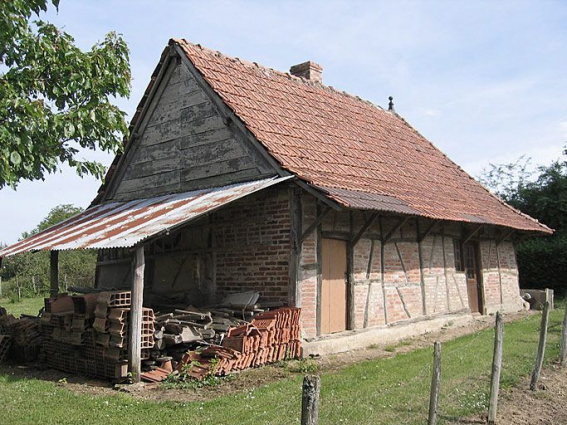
(184, 145)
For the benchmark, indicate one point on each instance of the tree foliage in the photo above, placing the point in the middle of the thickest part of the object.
(54, 97)
(542, 194)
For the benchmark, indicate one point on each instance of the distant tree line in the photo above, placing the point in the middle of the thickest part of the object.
(28, 274)
(542, 194)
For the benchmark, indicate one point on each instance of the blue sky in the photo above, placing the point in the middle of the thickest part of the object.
(485, 81)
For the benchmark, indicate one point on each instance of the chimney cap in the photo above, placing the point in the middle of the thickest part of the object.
(309, 70)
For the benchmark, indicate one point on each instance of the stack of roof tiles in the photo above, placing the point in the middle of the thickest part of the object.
(89, 335)
(270, 337)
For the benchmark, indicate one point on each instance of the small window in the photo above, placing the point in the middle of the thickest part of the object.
(459, 263)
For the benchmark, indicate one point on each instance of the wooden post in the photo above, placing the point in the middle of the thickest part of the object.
(435, 385)
(33, 284)
(135, 334)
(541, 347)
(0, 286)
(496, 369)
(563, 357)
(54, 264)
(310, 400)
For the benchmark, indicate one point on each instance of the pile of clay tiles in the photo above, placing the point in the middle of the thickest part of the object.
(87, 334)
(21, 338)
(270, 337)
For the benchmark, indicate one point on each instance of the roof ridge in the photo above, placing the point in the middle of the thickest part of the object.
(517, 211)
(300, 80)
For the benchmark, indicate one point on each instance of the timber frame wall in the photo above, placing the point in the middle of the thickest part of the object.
(399, 269)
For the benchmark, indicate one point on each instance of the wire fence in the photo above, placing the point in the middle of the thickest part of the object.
(495, 365)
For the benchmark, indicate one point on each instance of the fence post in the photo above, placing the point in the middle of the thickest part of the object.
(310, 400)
(496, 369)
(563, 357)
(541, 347)
(435, 385)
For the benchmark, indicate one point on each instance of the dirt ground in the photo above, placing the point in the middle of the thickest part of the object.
(518, 406)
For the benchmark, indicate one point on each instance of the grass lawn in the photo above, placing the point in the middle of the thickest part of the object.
(381, 391)
(29, 306)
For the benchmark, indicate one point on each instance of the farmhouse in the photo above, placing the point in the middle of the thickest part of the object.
(236, 177)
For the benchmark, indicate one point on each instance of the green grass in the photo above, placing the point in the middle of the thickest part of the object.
(382, 391)
(29, 306)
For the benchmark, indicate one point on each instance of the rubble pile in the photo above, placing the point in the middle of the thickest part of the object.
(270, 337)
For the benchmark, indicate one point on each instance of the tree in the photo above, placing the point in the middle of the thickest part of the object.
(31, 270)
(55, 98)
(542, 262)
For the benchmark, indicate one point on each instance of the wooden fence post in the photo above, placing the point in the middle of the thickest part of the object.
(435, 385)
(563, 356)
(310, 400)
(496, 369)
(541, 347)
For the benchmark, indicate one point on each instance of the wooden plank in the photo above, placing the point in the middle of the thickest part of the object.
(223, 167)
(155, 181)
(540, 348)
(505, 236)
(54, 273)
(445, 271)
(135, 334)
(220, 150)
(496, 369)
(310, 400)
(435, 386)
(223, 179)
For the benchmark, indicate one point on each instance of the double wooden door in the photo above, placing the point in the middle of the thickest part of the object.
(472, 271)
(333, 286)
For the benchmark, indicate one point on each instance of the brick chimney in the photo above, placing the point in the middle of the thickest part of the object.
(308, 70)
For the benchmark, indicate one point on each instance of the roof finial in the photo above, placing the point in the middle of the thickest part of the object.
(391, 104)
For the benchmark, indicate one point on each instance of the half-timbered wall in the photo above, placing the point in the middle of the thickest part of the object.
(405, 287)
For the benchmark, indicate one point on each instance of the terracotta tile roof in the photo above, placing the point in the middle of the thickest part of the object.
(359, 154)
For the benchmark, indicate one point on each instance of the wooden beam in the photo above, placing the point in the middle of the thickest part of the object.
(313, 226)
(428, 230)
(505, 236)
(421, 268)
(394, 229)
(318, 194)
(296, 226)
(471, 234)
(135, 334)
(54, 277)
(365, 227)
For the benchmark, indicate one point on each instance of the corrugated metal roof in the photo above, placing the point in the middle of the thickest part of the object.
(125, 224)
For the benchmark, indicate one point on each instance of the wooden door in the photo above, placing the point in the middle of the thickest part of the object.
(333, 286)
(473, 276)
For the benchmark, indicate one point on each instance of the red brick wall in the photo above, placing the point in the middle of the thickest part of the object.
(252, 237)
(307, 280)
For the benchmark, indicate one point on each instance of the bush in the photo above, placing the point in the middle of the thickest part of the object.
(542, 263)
